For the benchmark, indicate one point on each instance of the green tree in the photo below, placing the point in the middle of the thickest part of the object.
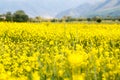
(9, 16)
(99, 20)
(89, 19)
(118, 19)
(38, 19)
(20, 16)
(54, 20)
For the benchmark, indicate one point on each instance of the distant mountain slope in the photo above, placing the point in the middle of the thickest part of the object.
(108, 4)
(81, 10)
(107, 8)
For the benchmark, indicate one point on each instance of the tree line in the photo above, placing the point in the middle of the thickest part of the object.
(97, 19)
(21, 16)
(18, 16)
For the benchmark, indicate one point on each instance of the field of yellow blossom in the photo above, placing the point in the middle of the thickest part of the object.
(59, 51)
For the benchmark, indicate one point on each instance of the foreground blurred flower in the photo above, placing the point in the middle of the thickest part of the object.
(79, 77)
(76, 59)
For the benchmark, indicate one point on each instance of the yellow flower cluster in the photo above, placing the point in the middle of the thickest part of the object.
(59, 51)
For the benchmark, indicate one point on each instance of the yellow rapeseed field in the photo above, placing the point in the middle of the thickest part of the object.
(59, 51)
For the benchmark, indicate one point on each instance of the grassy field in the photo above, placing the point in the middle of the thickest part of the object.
(59, 51)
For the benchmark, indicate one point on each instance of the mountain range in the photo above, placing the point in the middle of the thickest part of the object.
(104, 9)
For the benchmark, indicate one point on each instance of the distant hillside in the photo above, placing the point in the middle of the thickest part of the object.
(81, 10)
(107, 8)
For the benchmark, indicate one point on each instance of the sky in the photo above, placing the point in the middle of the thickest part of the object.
(42, 7)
